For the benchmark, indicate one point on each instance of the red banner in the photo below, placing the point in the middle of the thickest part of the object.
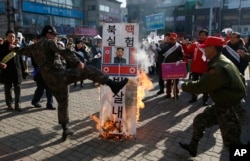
(173, 71)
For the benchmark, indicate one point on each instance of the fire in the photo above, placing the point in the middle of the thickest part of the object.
(97, 120)
(144, 83)
(108, 127)
(113, 127)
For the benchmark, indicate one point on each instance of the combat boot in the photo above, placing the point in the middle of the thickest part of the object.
(116, 86)
(191, 148)
(66, 132)
(193, 99)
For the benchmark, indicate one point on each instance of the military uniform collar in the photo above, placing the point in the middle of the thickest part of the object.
(216, 57)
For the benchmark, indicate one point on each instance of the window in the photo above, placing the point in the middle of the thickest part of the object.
(35, 20)
(104, 8)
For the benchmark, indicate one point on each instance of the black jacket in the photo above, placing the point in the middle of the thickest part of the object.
(96, 61)
(175, 56)
(15, 67)
(243, 63)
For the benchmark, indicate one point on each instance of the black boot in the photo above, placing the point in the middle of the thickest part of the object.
(194, 99)
(191, 148)
(66, 132)
(18, 108)
(161, 91)
(116, 86)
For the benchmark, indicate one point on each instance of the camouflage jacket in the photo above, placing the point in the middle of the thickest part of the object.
(47, 55)
(223, 82)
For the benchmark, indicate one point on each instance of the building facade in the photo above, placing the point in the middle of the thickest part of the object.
(70, 17)
(189, 16)
(102, 11)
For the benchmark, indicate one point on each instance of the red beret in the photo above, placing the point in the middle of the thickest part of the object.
(213, 41)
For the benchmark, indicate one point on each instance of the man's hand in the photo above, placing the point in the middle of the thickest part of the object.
(241, 52)
(3, 65)
(184, 41)
(81, 65)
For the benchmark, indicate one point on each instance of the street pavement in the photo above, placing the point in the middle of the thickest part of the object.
(35, 135)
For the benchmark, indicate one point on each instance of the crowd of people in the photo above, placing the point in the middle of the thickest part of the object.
(217, 68)
(194, 56)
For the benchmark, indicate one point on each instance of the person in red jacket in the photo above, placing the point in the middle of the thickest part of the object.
(199, 63)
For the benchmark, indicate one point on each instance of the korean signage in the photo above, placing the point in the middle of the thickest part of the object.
(85, 31)
(119, 61)
(51, 10)
(155, 22)
(120, 34)
(65, 29)
(118, 111)
(173, 71)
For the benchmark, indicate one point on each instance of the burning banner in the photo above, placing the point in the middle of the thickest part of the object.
(119, 112)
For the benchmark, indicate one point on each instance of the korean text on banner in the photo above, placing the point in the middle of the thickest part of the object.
(120, 34)
(173, 71)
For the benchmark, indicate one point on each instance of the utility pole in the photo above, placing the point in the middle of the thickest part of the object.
(8, 13)
(220, 15)
(239, 18)
(210, 19)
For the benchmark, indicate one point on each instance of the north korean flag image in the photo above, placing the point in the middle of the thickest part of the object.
(107, 54)
(119, 70)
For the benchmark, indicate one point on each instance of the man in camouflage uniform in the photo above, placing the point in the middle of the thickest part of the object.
(47, 56)
(226, 87)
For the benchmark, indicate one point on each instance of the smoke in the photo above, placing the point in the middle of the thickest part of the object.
(144, 56)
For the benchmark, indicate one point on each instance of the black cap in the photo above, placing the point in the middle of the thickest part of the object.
(49, 29)
(78, 41)
(203, 31)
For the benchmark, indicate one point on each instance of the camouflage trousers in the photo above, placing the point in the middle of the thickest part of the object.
(58, 82)
(229, 120)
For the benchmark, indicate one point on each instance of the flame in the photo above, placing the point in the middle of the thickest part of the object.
(97, 120)
(108, 127)
(144, 83)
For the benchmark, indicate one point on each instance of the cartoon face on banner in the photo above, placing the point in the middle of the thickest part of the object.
(119, 55)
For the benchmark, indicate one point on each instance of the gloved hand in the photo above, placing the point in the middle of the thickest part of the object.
(180, 84)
